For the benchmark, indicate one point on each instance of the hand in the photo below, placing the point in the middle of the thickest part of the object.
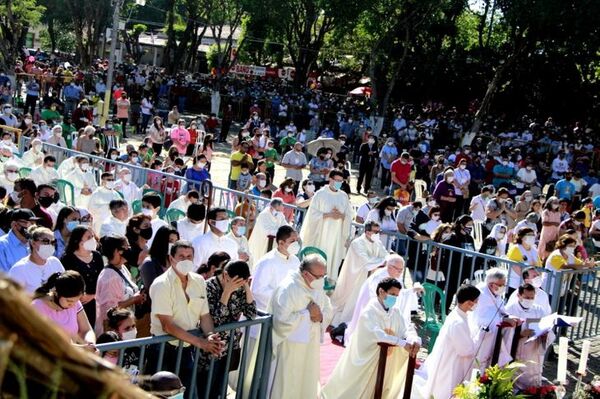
(139, 298)
(414, 349)
(212, 344)
(243, 256)
(315, 312)
(510, 321)
(527, 333)
(230, 285)
(86, 191)
(86, 298)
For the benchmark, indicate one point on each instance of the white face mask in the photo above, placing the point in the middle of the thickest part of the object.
(528, 240)
(147, 212)
(570, 250)
(309, 188)
(463, 166)
(37, 148)
(261, 183)
(499, 236)
(294, 248)
(289, 189)
(450, 179)
(45, 251)
(445, 236)
(317, 284)
(185, 266)
(110, 184)
(129, 335)
(126, 178)
(113, 156)
(90, 245)
(536, 281)
(500, 291)
(222, 225)
(435, 218)
(432, 203)
(526, 303)
(12, 176)
(376, 237)
(371, 141)
(85, 166)
(387, 212)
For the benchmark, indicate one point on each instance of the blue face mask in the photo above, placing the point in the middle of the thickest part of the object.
(241, 230)
(337, 185)
(389, 301)
(72, 224)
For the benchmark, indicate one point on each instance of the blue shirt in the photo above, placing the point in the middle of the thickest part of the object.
(11, 251)
(597, 202)
(388, 151)
(502, 170)
(60, 244)
(198, 175)
(564, 189)
(71, 92)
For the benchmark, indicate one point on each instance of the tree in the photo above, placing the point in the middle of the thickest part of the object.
(131, 39)
(15, 19)
(89, 19)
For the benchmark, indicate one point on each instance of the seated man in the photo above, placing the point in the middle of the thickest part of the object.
(33, 157)
(533, 277)
(531, 354)
(182, 203)
(130, 191)
(267, 224)
(192, 225)
(100, 200)
(356, 371)
(83, 181)
(151, 203)
(45, 173)
(116, 224)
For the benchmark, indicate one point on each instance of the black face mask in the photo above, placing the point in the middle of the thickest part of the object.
(46, 201)
(146, 234)
(23, 231)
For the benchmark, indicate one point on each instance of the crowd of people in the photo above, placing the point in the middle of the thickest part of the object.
(139, 251)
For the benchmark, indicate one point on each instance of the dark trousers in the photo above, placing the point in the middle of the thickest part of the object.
(365, 172)
(218, 379)
(224, 130)
(145, 121)
(170, 363)
(30, 103)
(157, 148)
(386, 178)
(124, 126)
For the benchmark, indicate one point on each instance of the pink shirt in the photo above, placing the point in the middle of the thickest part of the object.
(122, 108)
(65, 319)
(288, 198)
(181, 138)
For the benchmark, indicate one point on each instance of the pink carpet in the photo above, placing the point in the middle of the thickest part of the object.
(329, 357)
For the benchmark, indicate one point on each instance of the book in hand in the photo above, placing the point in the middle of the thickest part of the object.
(547, 323)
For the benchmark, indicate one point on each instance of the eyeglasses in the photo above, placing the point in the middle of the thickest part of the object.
(46, 241)
(316, 276)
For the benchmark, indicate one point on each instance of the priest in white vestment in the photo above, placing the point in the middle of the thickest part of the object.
(33, 157)
(67, 166)
(489, 314)
(100, 199)
(328, 223)
(237, 233)
(365, 254)
(45, 173)
(355, 373)
(193, 225)
(452, 358)
(116, 224)
(533, 277)
(183, 202)
(531, 354)
(83, 181)
(130, 191)
(407, 300)
(300, 310)
(267, 223)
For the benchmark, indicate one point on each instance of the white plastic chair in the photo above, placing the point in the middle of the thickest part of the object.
(477, 233)
(479, 276)
(420, 187)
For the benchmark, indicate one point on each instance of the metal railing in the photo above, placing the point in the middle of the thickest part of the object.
(254, 366)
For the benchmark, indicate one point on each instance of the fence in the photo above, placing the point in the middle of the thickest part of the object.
(253, 370)
(443, 265)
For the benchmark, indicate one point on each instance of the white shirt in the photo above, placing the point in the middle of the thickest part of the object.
(541, 299)
(461, 176)
(364, 210)
(32, 276)
(594, 190)
(209, 243)
(269, 271)
(32, 159)
(130, 191)
(478, 213)
(180, 203)
(43, 175)
(113, 227)
(527, 176)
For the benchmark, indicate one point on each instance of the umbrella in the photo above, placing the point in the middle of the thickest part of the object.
(361, 91)
(323, 142)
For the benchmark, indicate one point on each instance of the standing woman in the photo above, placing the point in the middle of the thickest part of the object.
(68, 218)
(115, 285)
(180, 137)
(59, 300)
(523, 251)
(81, 256)
(123, 106)
(550, 227)
(445, 195)
(384, 214)
(208, 149)
(286, 193)
(158, 135)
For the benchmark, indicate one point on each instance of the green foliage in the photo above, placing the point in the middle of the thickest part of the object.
(213, 56)
(497, 382)
(16, 16)
(65, 40)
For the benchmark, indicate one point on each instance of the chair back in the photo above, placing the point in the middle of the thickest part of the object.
(420, 187)
(66, 191)
(477, 233)
(431, 291)
(174, 215)
(24, 172)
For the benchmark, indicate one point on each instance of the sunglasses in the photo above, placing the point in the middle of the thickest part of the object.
(46, 241)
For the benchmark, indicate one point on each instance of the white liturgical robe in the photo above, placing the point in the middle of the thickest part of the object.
(363, 256)
(329, 235)
(355, 373)
(296, 339)
(81, 180)
(98, 205)
(530, 354)
(43, 175)
(451, 359)
(266, 224)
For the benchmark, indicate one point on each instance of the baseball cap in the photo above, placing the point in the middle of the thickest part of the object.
(23, 214)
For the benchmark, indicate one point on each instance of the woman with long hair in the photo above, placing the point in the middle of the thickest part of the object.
(68, 218)
(158, 135)
(550, 226)
(59, 300)
(138, 233)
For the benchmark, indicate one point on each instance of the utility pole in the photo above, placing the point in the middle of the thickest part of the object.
(114, 36)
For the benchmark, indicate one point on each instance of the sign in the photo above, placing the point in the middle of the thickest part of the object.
(286, 73)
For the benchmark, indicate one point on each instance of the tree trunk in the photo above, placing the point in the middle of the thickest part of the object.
(171, 43)
(52, 34)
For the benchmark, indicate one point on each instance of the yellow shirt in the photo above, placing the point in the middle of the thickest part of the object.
(168, 298)
(515, 254)
(236, 170)
(556, 261)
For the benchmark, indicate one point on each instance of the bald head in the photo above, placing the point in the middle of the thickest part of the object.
(395, 265)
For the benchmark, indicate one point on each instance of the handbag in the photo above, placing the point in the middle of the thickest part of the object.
(139, 309)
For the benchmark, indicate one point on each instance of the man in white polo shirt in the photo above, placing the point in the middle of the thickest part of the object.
(179, 302)
(214, 240)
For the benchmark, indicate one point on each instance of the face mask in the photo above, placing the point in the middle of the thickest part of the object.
(46, 201)
(185, 266)
(529, 240)
(373, 200)
(317, 284)
(500, 291)
(337, 185)
(371, 141)
(403, 161)
(390, 143)
(146, 234)
(126, 178)
(45, 251)
(309, 188)
(390, 301)
(294, 248)
(110, 185)
(445, 236)
(432, 203)
(177, 396)
(450, 179)
(12, 176)
(241, 231)
(327, 156)
(376, 237)
(111, 359)
(289, 189)
(129, 335)
(468, 230)
(435, 218)
(37, 148)
(569, 251)
(201, 165)
(90, 245)
(342, 142)
(387, 212)
(147, 212)
(505, 163)
(537, 281)
(474, 308)
(526, 303)
(222, 225)
(113, 156)
(85, 166)
(71, 225)
(463, 166)
(500, 236)
(15, 197)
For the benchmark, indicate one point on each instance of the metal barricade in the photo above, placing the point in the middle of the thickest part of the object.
(253, 370)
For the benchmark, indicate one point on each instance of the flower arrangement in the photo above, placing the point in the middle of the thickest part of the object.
(497, 382)
(588, 391)
(543, 392)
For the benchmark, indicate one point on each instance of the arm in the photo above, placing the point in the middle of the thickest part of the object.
(85, 330)
(206, 324)
(169, 326)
